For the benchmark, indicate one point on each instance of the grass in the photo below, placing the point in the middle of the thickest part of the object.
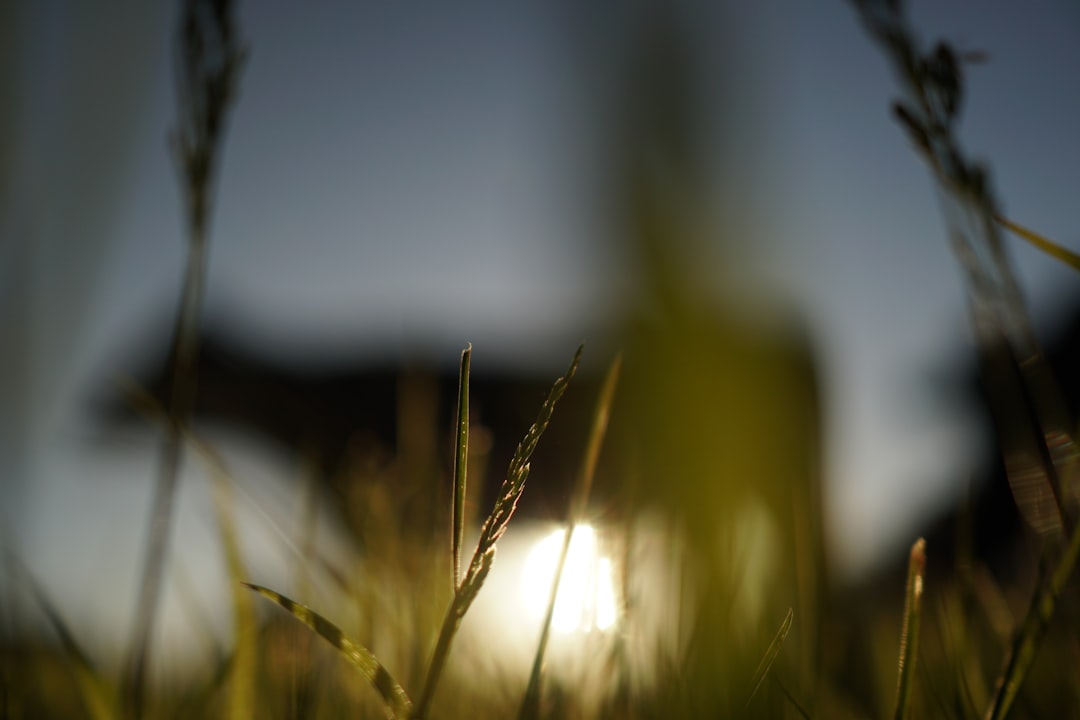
(209, 60)
(531, 702)
(703, 429)
(492, 529)
(909, 633)
(933, 92)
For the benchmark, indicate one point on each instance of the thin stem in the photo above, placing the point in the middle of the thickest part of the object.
(449, 629)
(209, 59)
(530, 704)
(1038, 618)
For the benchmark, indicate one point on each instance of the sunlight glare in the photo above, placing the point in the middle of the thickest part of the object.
(586, 598)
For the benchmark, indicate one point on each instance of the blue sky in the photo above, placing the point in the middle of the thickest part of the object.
(380, 153)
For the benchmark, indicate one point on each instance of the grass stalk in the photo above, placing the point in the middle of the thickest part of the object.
(209, 60)
(909, 633)
(933, 84)
(934, 91)
(242, 667)
(490, 532)
(1036, 622)
(242, 678)
(530, 704)
(1048, 246)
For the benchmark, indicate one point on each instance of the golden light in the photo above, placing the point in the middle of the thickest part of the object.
(586, 599)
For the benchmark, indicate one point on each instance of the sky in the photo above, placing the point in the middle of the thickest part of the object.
(400, 180)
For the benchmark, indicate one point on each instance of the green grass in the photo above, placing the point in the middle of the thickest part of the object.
(932, 95)
(210, 57)
(909, 633)
(693, 424)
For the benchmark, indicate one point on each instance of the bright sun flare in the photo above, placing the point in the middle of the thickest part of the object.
(586, 598)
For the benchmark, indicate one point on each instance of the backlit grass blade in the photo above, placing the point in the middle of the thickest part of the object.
(530, 704)
(490, 532)
(461, 463)
(1049, 247)
(397, 701)
(909, 634)
(770, 655)
(514, 483)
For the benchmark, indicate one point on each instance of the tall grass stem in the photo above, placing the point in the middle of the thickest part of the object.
(530, 704)
(209, 58)
(1036, 622)
(490, 532)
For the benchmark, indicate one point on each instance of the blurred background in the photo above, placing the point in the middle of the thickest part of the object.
(397, 182)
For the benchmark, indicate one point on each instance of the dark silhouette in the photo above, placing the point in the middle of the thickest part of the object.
(349, 416)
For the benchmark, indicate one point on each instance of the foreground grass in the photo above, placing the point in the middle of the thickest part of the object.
(708, 424)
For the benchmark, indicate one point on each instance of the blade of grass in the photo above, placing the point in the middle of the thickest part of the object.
(493, 528)
(242, 667)
(771, 653)
(1042, 243)
(461, 463)
(1022, 653)
(995, 300)
(397, 701)
(909, 633)
(97, 695)
(530, 703)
